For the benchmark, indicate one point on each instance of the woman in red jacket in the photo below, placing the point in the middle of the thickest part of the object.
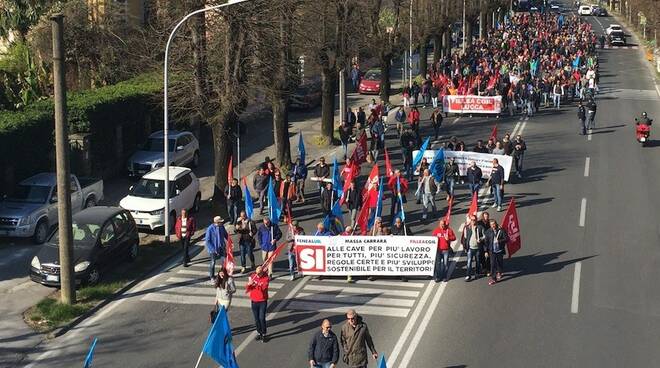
(445, 236)
(257, 288)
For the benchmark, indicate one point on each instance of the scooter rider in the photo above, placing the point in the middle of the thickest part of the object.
(644, 120)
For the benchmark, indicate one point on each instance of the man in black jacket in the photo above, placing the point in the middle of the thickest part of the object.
(582, 115)
(321, 171)
(353, 201)
(480, 147)
(323, 350)
(327, 199)
(474, 175)
(519, 148)
(496, 239)
(234, 196)
(496, 183)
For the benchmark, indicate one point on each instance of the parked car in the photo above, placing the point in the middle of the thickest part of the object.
(370, 83)
(307, 96)
(616, 38)
(102, 236)
(613, 28)
(183, 150)
(600, 12)
(146, 199)
(584, 10)
(31, 208)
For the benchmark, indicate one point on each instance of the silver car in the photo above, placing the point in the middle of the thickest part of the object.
(183, 150)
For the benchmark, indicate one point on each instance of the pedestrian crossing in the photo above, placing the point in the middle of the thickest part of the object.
(191, 286)
(622, 47)
(380, 298)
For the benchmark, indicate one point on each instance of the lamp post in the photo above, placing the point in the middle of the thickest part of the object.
(464, 29)
(410, 48)
(166, 162)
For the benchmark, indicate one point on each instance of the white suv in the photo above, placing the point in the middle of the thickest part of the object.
(584, 10)
(613, 28)
(183, 150)
(146, 200)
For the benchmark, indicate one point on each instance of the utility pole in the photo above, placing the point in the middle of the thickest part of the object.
(68, 290)
(410, 49)
(464, 29)
(342, 93)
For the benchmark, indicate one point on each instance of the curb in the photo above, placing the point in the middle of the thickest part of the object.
(66, 328)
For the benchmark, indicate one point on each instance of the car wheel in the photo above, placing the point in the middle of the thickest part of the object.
(93, 276)
(195, 160)
(41, 232)
(134, 251)
(90, 202)
(195, 206)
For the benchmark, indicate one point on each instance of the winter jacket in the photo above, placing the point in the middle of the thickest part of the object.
(299, 172)
(327, 199)
(264, 238)
(355, 341)
(215, 239)
(467, 234)
(451, 171)
(246, 229)
(257, 288)
(582, 112)
(444, 244)
(474, 175)
(352, 198)
(260, 182)
(519, 151)
(497, 175)
(324, 349)
(498, 246)
(322, 171)
(234, 193)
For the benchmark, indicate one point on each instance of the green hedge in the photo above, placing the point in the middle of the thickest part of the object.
(26, 137)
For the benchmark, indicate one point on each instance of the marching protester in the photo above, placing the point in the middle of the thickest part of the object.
(345, 132)
(287, 194)
(246, 229)
(436, 120)
(496, 239)
(498, 150)
(327, 199)
(321, 172)
(474, 176)
(322, 231)
(184, 230)
(216, 240)
(323, 351)
(591, 108)
(484, 255)
(268, 235)
(507, 145)
(400, 119)
(427, 189)
(377, 137)
(451, 177)
(445, 236)
(496, 183)
(353, 199)
(294, 230)
(355, 339)
(234, 196)
(224, 289)
(472, 240)
(582, 116)
(519, 148)
(260, 184)
(257, 289)
(299, 173)
(400, 228)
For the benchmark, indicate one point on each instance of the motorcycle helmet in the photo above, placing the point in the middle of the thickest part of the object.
(644, 114)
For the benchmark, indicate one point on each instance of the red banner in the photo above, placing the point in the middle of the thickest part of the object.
(474, 206)
(359, 155)
(493, 134)
(512, 227)
(472, 104)
(448, 215)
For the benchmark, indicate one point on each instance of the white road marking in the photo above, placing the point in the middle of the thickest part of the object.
(586, 166)
(513, 132)
(522, 127)
(589, 136)
(575, 299)
(427, 318)
(657, 89)
(378, 282)
(355, 299)
(342, 308)
(456, 120)
(583, 211)
(358, 290)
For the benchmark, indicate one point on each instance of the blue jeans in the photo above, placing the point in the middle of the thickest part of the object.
(292, 262)
(441, 265)
(474, 187)
(497, 193)
(450, 186)
(215, 257)
(473, 253)
(323, 365)
(259, 313)
(246, 251)
(233, 209)
(344, 146)
(557, 100)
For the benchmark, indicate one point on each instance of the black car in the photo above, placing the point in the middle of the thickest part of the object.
(600, 12)
(102, 236)
(617, 38)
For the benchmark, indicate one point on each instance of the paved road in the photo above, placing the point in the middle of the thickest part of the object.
(579, 293)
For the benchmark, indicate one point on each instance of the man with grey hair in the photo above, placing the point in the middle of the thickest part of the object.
(355, 339)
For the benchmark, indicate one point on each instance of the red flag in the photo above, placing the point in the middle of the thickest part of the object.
(372, 181)
(230, 170)
(474, 206)
(512, 227)
(363, 219)
(493, 134)
(229, 260)
(359, 154)
(448, 215)
(347, 182)
(388, 165)
(272, 257)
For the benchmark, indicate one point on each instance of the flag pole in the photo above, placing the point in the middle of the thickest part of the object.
(199, 359)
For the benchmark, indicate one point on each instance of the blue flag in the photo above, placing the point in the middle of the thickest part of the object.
(379, 205)
(381, 361)
(274, 210)
(334, 222)
(249, 206)
(420, 154)
(336, 180)
(90, 355)
(576, 62)
(438, 165)
(401, 213)
(218, 344)
(301, 148)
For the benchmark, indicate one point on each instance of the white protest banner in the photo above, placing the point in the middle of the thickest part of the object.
(472, 104)
(366, 255)
(483, 160)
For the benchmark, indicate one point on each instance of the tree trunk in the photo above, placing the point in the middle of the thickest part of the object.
(385, 70)
(468, 32)
(328, 77)
(423, 56)
(222, 150)
(437, 48)
(447, 42)
(280, 106)
(200, 68)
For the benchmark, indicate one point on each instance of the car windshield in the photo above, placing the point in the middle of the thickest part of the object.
(149, 188)
(30, 194)
(615, 28)
(372, 75)
(84, 235)
(156, 145)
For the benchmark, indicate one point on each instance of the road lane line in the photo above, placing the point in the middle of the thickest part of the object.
(427, 317)
(513, 132)
(586, 167)
(271, 316)
(455, 120)
(583, 211)
(589, 136)
(358, 290)
(657, 89)
(575, 299)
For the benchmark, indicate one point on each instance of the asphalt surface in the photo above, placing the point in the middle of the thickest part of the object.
(581, 291)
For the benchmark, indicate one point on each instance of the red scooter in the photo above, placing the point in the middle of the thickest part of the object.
(643, 131)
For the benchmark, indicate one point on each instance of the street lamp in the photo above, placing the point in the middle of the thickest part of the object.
(166, 162)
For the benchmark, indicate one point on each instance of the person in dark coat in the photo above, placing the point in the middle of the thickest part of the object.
(582, 116)
(355, 339)
(327, 199)
(519, 148)
(353, 199)
(496, 239)
(323, 350)
(474, 176)
(234, 196)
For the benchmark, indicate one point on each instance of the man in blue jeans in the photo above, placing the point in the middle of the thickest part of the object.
(496, 183)
(472, 240)
(474, 175)
(294, 230)
(216, 240)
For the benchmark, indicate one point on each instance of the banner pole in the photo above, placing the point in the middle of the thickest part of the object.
(199, 359)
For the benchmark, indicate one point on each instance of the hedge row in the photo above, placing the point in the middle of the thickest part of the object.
(27, 139)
